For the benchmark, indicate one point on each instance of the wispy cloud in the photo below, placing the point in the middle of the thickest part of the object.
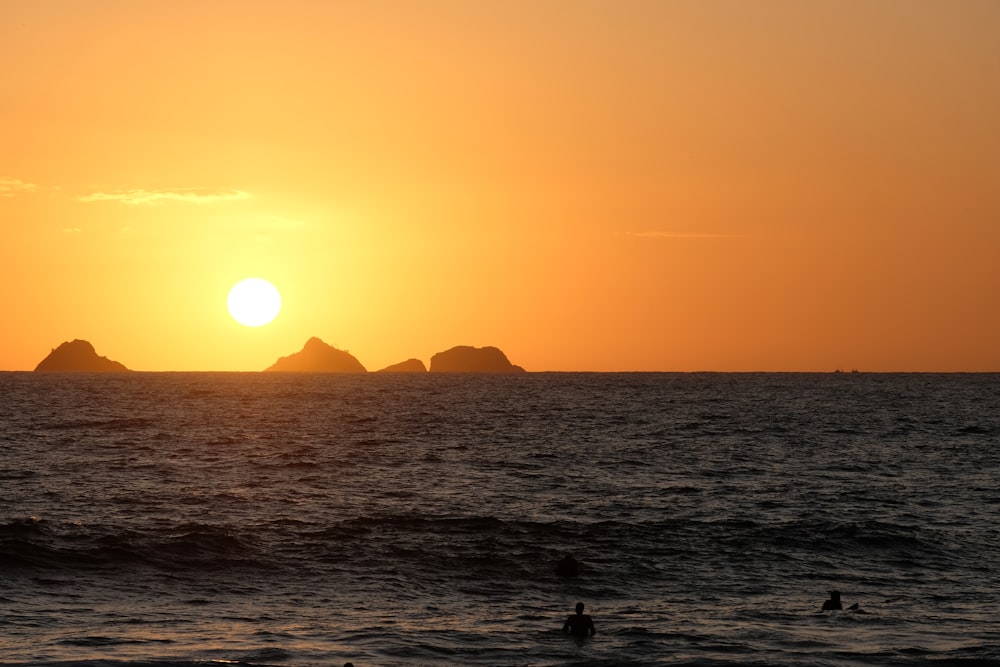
(154, 197)
(682, 235)
(11, 187)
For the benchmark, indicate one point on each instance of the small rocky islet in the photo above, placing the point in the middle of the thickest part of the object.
(78, 356)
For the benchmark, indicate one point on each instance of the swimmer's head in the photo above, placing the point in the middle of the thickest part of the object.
(579, 607)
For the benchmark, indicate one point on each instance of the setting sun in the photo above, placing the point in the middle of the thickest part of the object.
(254, 302)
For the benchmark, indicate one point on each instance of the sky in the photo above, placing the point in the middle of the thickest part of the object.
(589, 185)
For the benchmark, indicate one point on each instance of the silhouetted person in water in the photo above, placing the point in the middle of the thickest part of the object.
(833, 602)
(568, 567)
(579, 624)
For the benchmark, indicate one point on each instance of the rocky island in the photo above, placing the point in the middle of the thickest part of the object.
(467, 359)
(317, 357)
(408, 366)
(78, 356)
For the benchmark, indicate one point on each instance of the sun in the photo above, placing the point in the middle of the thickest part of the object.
(254, 302)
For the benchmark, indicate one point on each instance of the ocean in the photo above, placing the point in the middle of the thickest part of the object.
(167, 519)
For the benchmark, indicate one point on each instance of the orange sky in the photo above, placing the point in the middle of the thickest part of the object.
(642, 185)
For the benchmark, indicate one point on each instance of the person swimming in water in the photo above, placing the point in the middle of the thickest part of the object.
(833, 602)
(579, 624)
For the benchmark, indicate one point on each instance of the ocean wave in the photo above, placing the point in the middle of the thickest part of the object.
(115, 424)
(97, 640)
(165, 661)
(34, 543)
(475, 547)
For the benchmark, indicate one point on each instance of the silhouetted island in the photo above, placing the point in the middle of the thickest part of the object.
(408, 366)
(318, 357)
(78, 356)
(467, 359)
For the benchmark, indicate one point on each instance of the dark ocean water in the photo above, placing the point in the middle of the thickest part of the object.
(176, 519)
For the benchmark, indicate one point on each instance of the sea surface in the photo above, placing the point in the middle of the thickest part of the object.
(167, 519)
